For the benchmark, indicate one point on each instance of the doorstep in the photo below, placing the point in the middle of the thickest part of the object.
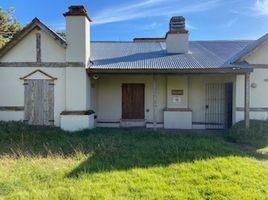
(131, 123)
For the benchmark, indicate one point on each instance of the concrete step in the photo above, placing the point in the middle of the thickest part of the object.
(128, 123)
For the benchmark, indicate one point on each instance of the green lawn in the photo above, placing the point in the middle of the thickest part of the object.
(43, 163)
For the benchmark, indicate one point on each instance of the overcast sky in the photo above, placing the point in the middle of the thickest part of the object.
(122, 20)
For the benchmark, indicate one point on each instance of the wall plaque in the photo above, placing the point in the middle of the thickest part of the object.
(176, 92)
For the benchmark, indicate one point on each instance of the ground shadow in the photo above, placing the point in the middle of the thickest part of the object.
(115, 149)
(143, 151)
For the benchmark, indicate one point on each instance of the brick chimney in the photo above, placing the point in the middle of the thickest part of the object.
(177, 39)
(77, 34)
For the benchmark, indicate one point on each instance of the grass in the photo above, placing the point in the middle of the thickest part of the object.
(47, 163)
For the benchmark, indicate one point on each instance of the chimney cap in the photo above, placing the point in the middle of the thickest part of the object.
(177, 25)
(77, 10)
(177, 19)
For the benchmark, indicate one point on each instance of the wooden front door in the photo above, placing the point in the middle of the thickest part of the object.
(39, 102)
(133, 101)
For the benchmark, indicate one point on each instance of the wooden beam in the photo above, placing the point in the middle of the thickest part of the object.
(11, 108)
(38, 70)
(78, 112)
(247, 100)
(42, 64)
(257, 109)
(38, 47)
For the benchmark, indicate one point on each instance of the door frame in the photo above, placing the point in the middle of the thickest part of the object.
(229, 102)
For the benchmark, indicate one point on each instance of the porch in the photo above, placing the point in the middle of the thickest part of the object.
(171, 101)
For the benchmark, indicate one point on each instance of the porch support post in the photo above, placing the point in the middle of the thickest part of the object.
(154, 102)
(247, 100)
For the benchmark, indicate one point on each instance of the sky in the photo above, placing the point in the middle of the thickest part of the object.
(123, 20)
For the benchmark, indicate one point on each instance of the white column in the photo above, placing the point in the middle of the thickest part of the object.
(154, 102)
(247, 99)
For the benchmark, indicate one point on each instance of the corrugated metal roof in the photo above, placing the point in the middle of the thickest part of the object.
(249, 49)
(153, 55)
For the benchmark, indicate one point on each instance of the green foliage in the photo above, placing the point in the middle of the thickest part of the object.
(263, 150)
(256, 135)
(48, 163)
(8, 25)
(62, 34)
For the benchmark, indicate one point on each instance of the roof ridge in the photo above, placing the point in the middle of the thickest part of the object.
(222, 40)
(191, 41)
(109, 41)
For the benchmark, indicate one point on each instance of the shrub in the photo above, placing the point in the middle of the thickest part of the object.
(256, 135)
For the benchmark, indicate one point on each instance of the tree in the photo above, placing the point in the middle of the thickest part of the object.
(62, 34)
(8, 25)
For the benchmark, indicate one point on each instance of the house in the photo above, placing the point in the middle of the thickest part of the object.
(168, 82)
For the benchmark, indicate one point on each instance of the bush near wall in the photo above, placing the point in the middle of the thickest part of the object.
(256, 135)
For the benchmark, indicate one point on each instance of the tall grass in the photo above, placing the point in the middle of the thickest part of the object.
(48, 163)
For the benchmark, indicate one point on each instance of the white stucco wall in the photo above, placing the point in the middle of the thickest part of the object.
(109, 102)
(12, 90)
(177, 43)
(109, 96)
(258, 95)
(77, 122)
(51, 51)
(177, 120)
(25, 50)
(88, 92)
(11, 116)
(72, 87)
(253, 115)
(93, 95)
(197, 92)
(77, 84)
(78, 39)
(259, 56)
(176, 82)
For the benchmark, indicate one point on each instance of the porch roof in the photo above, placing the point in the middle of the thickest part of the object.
(203, 56)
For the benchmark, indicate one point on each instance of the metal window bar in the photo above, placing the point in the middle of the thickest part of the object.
(215, 106)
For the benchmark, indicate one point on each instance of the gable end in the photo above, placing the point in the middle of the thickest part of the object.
(35, 24)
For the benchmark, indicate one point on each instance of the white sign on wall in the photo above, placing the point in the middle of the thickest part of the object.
(176, 100)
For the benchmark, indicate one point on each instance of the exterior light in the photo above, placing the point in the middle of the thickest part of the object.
(95, 77)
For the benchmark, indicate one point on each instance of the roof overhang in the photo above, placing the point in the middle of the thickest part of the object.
(249, 50)
(232, 70)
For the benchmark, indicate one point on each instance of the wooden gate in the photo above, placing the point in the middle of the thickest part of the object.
(39, 102)
(133, 101)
